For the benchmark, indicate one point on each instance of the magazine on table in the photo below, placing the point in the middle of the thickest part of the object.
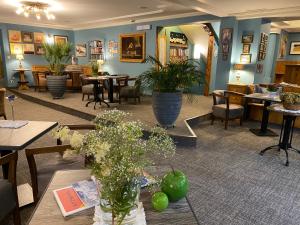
(77, 197)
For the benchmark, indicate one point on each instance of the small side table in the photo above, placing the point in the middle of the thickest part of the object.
(23, 83)
(287, 130)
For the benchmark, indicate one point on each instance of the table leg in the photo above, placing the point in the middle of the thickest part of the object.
(286, 137)
(111, 90)
(22, 83)
(264, 131)
(5, 167)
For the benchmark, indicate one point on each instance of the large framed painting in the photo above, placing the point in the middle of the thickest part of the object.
(27, 37)
(80, 50)
(39, 38)
(14, 36)
(28, 49)
(16, 49)
(295, 48)
(60, 39)
(132, 47)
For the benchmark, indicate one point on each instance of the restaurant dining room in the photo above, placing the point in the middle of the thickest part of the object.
(149, 112)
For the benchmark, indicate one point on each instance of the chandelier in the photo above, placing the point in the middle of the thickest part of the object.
(37, 9)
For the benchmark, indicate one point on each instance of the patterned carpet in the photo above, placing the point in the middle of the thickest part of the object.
(230, 183)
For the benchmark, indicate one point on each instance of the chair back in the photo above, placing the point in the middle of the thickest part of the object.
(218, 100)
(122, 81)
(2, 103)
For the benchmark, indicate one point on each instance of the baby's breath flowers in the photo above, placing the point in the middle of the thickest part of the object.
(120, 154)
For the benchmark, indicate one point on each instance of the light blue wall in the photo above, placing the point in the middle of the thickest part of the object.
(112, 63)
(11, 77)
(292, 37)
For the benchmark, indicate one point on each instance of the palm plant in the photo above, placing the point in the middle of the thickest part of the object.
(56, 55)
(174, 76)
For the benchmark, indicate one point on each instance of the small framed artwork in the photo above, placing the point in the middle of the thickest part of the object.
(16, 49)
(261, 47)
(246, 48)
(27, 37)
(14, 36)
(247, 39)
(132, 47)
(60, 39)
(259, 68)
(295, 48)
(80, 50)
(39, 38)
(39, 50)
(226, 35)
(245, 58)
(28, 49)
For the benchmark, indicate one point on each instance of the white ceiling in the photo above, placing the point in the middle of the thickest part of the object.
(82, 14)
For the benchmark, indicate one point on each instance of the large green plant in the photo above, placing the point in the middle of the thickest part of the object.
(174, 76)
(57, 55)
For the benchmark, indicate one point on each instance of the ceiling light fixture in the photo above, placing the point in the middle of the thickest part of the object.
(28, 8)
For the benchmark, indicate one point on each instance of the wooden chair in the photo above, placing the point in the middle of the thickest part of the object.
(39, 73)
(9, 203)
(86, 87)
(2, 102)
(225, 110)
(30, 153)
(131, 91)
(121, 82)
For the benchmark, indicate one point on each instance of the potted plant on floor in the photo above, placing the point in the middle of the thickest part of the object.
(120, 154)
(57, 55)
(167, 84)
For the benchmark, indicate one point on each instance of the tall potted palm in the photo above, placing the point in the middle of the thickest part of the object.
(57, 55)
(167, 83)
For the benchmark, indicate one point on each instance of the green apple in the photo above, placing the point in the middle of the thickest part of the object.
(175, 185)
(160, 201)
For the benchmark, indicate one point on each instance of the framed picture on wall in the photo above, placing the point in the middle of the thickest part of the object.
(14, 36)
(246, 48)
(247, 39)
(80, 50)
(60, 39)
(27, 37)
(16, 49)
(39, 50)
(39, 38)
(245, 58)
(28, 49)
(283, 46)
(132, 47)
(295, 48)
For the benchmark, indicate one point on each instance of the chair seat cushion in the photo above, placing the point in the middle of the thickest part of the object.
(8, 202)
(88, 89)
(129, 92)
(235, 111)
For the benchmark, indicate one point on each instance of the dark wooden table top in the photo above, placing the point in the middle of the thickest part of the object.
(17, 139)
(48, 212)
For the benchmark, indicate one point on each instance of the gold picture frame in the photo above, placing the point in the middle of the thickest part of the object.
(39, 37)
(133, 47)
(60, 39)
(14, 36)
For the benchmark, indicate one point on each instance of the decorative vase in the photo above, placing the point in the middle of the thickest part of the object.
(57, 85)
(130, 196)
(166, 107)
(294, 107)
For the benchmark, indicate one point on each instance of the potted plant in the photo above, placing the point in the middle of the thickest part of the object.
(167, 84)
(57, 55)
(94, 67)
(290, 100)
(120, 154)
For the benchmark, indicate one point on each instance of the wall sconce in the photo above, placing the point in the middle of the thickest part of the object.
(20, 57)
(238, 68)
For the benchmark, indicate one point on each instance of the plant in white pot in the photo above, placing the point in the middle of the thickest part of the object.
(57, 55)
(167, 84)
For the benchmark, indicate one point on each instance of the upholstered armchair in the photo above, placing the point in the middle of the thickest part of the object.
(121, 82)
(225, 110)
(131, 91)
(2, 102)
(9, 203)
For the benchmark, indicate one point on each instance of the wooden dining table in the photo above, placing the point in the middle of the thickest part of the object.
(16, 139)
(96, 79)
(47, 210)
